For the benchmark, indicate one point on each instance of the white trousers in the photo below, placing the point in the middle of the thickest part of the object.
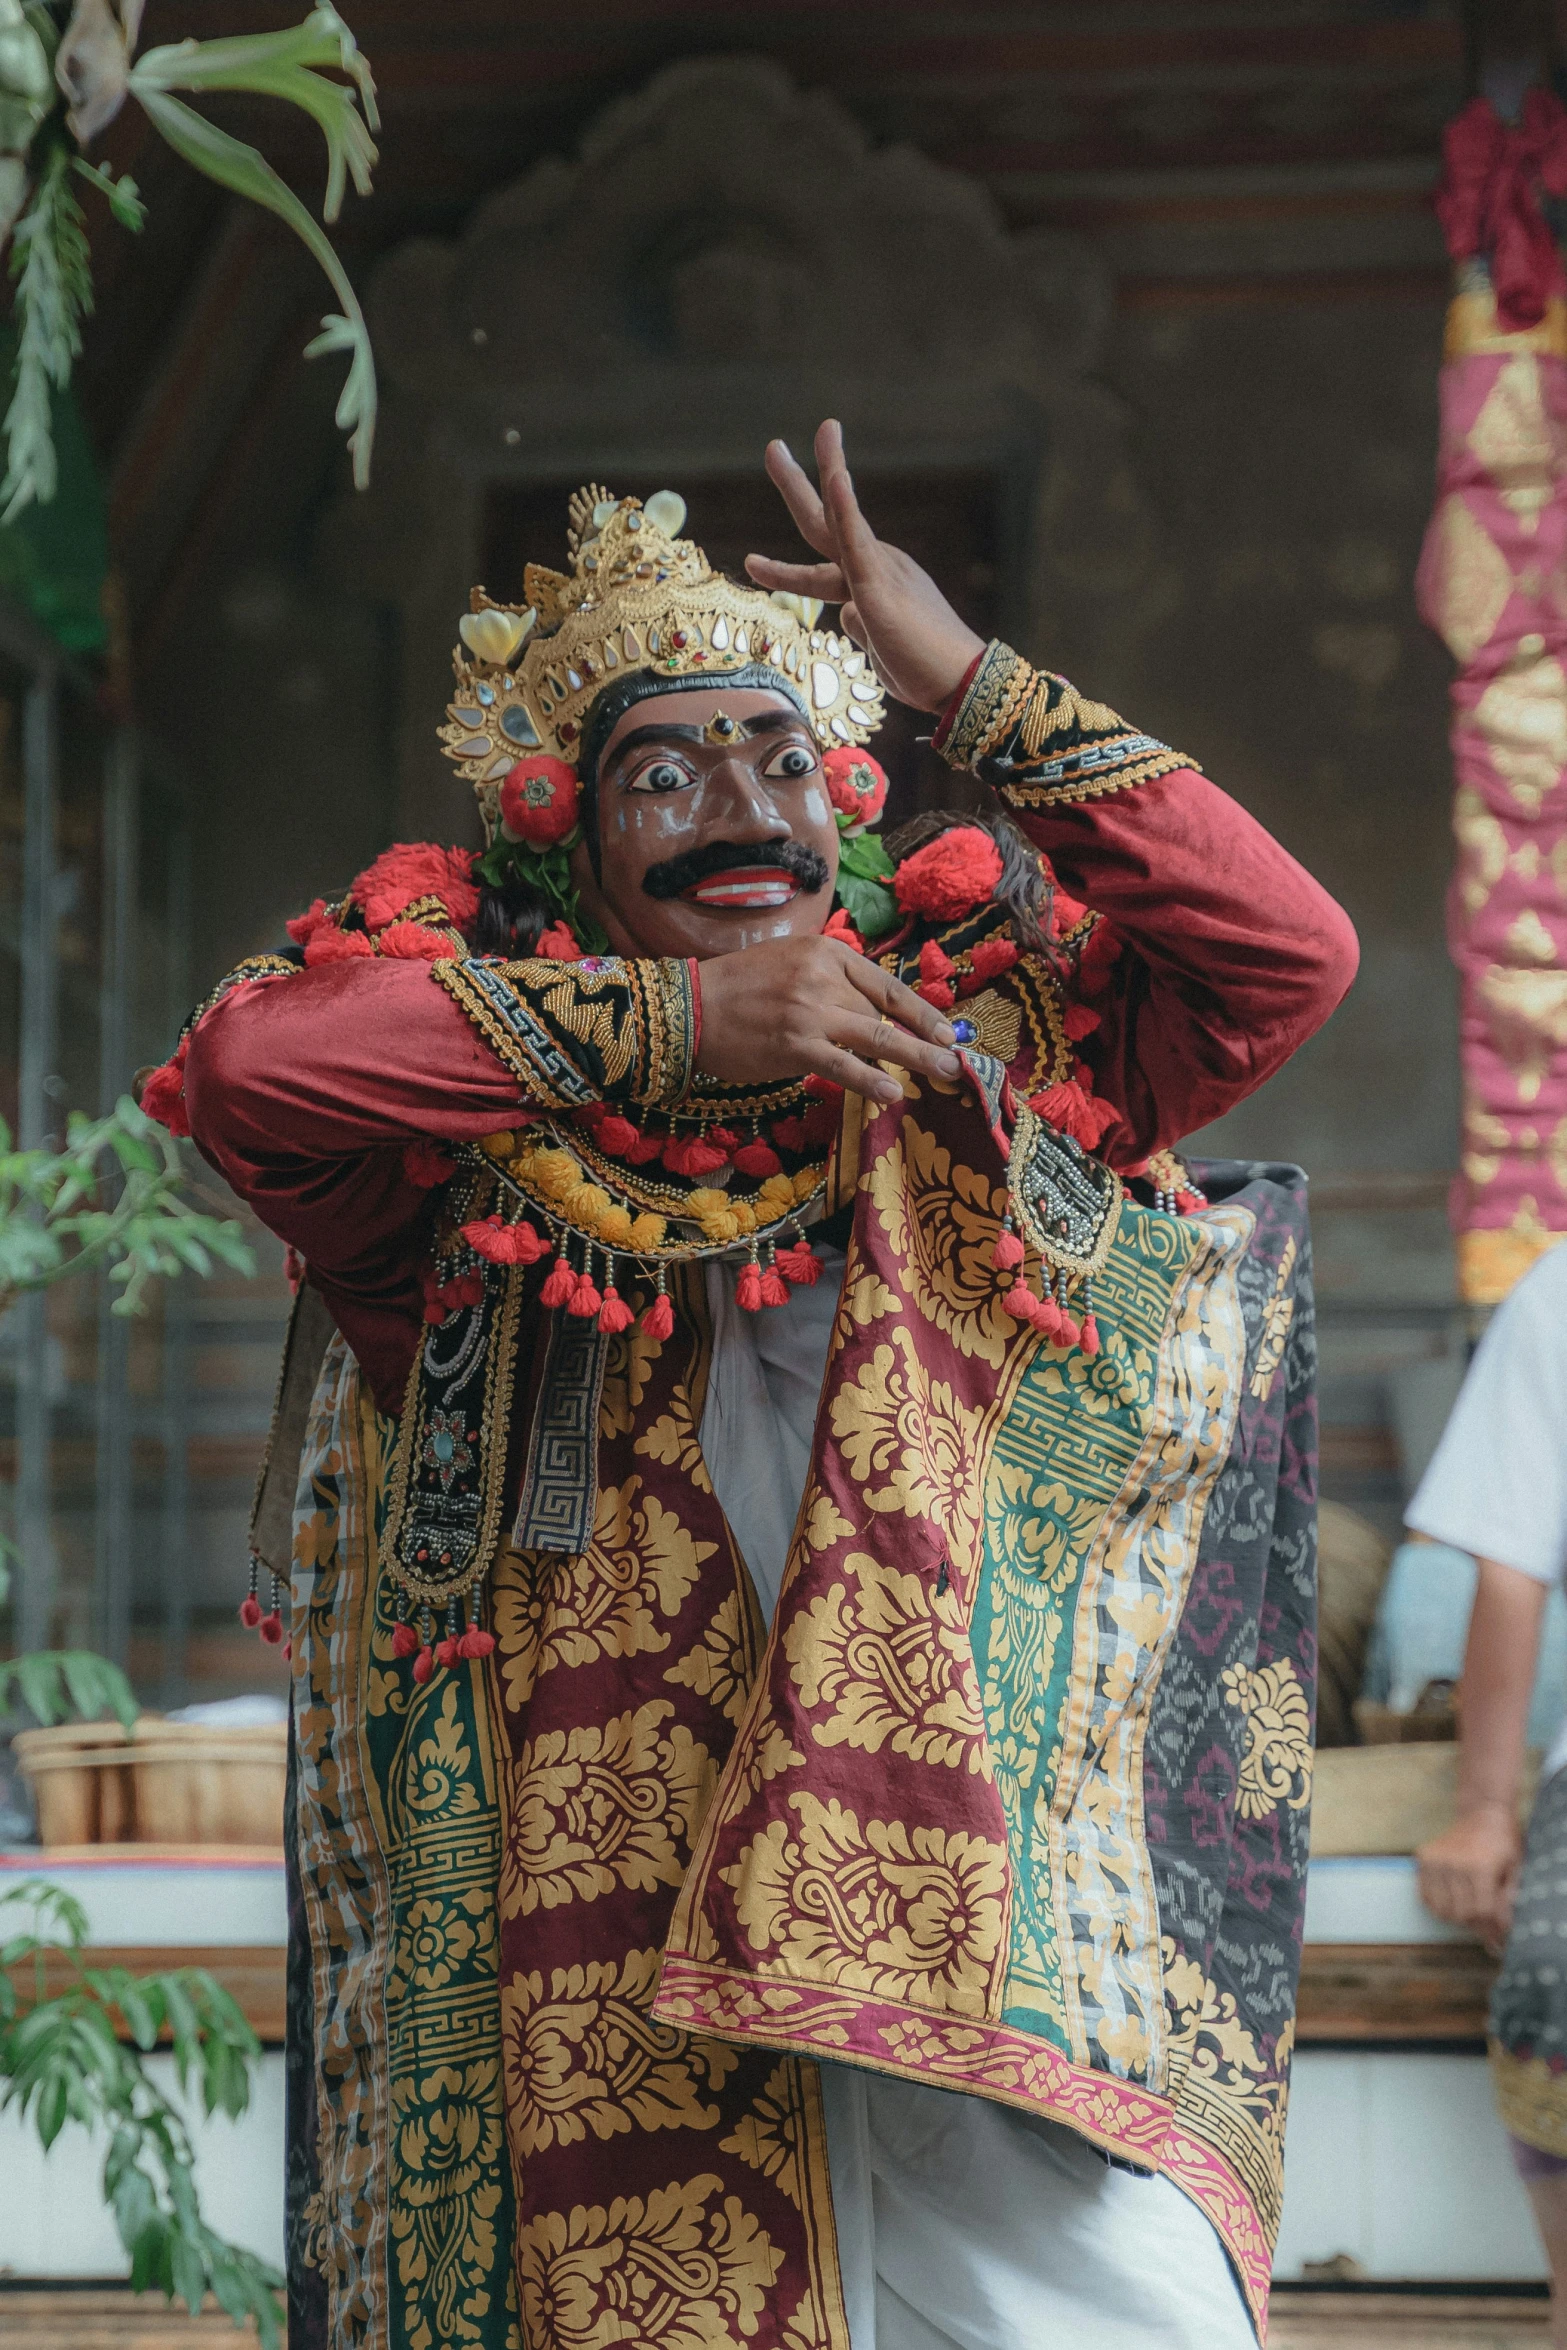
(961, 2224)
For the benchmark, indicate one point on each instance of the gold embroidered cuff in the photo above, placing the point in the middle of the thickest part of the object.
(1040, 744)
(599, 1030)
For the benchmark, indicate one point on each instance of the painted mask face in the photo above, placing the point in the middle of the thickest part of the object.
(715, 828)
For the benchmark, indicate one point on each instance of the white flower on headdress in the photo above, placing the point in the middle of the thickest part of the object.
(494, 636)
(806, 609)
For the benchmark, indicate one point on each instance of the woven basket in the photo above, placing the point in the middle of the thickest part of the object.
(168, 1783)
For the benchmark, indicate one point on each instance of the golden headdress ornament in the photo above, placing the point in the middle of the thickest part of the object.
(637, 599)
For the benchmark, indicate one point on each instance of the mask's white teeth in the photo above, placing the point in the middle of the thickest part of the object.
(748, 891)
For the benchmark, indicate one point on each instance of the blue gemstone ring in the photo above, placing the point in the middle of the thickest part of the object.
(964, 1031)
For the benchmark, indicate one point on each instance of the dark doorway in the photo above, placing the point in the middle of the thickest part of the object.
(948, 521)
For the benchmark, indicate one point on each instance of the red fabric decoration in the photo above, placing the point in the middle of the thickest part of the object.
(1079, 1020)
(1020, 1301)
(748, 1289)
(557, 945)
(163, 1095)
(250, 1611)
(1099, 954)
(789, 1133)
(504, 1244)
(824, 1089)
(935, 962)
(775, 1290)
(1072, 1111)
(560, 1285)
(856, 784)
(950, 875)
(840, 927)
(693, 1157)
(1088, 1337)
(475, 1643)
(658, 1323)
(724, 1139)
(1065, 913)
(616, 1135)
(447, 1651)
(417, 869)
(271, 1629)
(645, 1148)
(991, 957)
(427, 1163)
(1007, 1254)
(614, 1314)
(331, 945)
(937, 992)
(302, 928)
(1489, 200)
(539, 801)
(756, 1158)
(799, 1264)
(404, 1640)
(413, 943)
(585, 1299)
(424, 1665)
(1069, 1332)
(1188, 1202)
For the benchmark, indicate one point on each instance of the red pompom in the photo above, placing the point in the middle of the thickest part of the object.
(302, 928)
(939, 993)
(839, 926)
(724, 1138)
(756, 1158)
(775, 1290)
(557, 945)
(1072, 1111)
(824, 1089)
(331, 945)
(271, 1629)
(410, 942)
(504, 1244)
(447, 1651)
(585, 1299)
(645, 1148)
(935, 962)
(991, 957)
(789, 1133)
(658, 1323)
(748, 1289)
(417, 869)
(799, 1264)
(693, 1157)
(250, 1611)
(560, 1284)
(1079, 1020)
(427, 1164)
(404, 1640)
(1088, 1338)
(856, 784)
(950, 875)
(820, 1123)
(1007, 1254)
(1065, 912)
(539, 801)
(1188, 1202)
(424, 1665)
(163, 1097)
(1068, 1331)
(1020, 1301)
(615, 1134)
(475, 1643)
(614, 1314)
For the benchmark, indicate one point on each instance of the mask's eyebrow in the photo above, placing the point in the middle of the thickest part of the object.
(641, 736)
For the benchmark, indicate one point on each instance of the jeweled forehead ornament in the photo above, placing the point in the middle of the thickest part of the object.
(638, 599)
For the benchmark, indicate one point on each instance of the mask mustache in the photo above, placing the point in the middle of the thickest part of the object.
(676, 875)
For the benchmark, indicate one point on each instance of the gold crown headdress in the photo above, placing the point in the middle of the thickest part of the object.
(638, 598)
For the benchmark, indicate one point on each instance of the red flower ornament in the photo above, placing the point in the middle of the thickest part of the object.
(539, 801)
(856, 785)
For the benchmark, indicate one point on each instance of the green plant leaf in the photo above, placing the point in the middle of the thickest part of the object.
(122, 195)
(53, 272)
(870, 905)
(240, 168)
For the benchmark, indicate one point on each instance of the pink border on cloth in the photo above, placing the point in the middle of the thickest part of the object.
(994, 2060)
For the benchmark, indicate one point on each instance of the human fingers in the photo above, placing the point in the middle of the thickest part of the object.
(824, 580)
(846, 1069)
(900, 1004)
(794, 485)
(881, 1039)
(856, 542)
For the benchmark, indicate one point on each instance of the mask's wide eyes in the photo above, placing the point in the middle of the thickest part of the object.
(790, 764)
(661, 775)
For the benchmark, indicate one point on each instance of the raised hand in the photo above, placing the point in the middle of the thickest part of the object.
(796, 1006)
(890, 606)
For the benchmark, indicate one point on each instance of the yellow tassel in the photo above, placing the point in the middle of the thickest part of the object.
(776, 1197)
(555, 1173)
(499, 1146)
(614, 1226)
(585, 1203)
(806, 1181)
(704, 1201)
(647, 1231)
(744, 1214)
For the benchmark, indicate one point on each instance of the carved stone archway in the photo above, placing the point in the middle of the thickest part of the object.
(726, 259)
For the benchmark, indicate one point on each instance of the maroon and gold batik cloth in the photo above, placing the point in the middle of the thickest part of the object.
(1013, 1797)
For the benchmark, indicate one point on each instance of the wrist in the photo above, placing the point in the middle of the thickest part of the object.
(1479, 1806)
